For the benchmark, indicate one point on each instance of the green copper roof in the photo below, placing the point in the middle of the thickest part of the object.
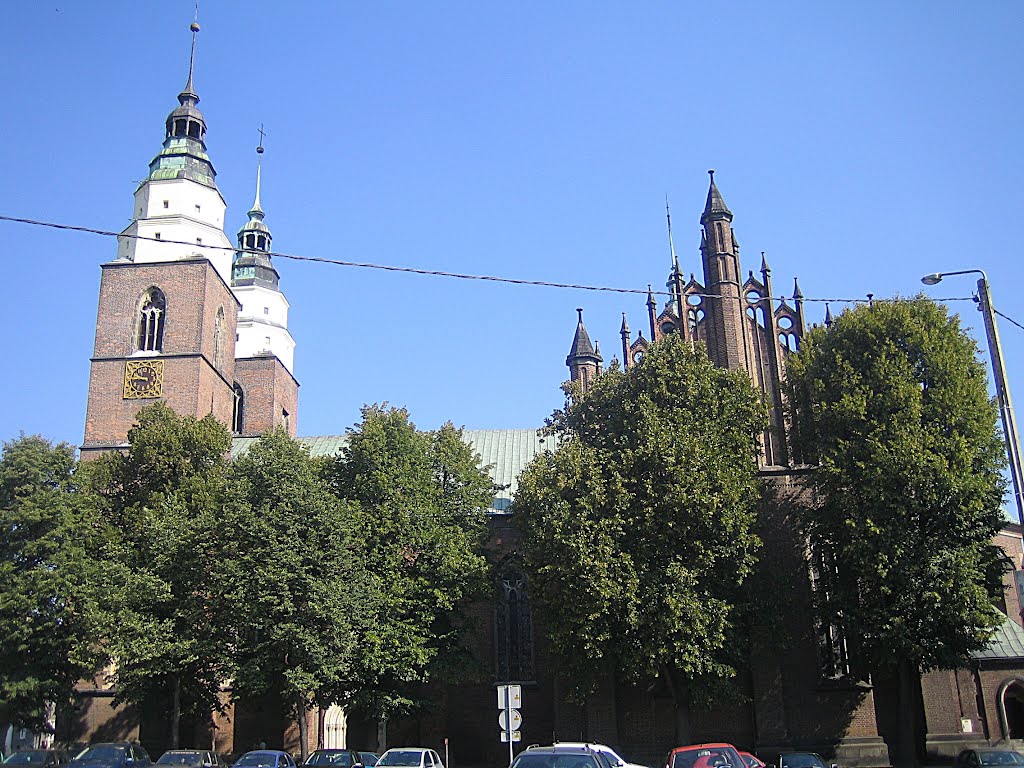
(183, 158)
(1006, 643)
(505, 452)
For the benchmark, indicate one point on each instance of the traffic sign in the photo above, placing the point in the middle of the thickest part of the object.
(516, 736)
(503, 718)
(515, 696)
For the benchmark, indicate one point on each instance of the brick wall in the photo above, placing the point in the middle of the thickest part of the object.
(269, 390)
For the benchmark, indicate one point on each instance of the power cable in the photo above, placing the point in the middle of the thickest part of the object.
(438, 272)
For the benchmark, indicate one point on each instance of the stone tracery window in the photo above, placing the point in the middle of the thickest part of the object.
(238, 411)
(513, 627)
(218, 340)
(151, 321)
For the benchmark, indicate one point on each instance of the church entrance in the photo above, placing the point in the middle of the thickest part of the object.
(1013, 706)
(335, 728)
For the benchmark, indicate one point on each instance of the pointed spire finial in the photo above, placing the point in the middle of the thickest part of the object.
(189, 88)
(764, 263)
(625, 325)
(256, 207)
(828, 316)
(671, 245)
(715, 204)
(579, 312)
(797, 293)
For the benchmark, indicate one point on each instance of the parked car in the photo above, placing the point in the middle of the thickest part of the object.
(974, 758)
(752, 761)
(112, 755)
(561, 756)
(410, 757)
(715, 755)
(802, 760)
(342, 758)
(265, 758)
(43, 758)
(611, 754)
(369, 758)
(193, 758)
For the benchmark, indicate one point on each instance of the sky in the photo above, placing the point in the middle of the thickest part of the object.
(859, 145)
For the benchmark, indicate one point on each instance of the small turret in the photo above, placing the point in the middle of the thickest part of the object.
(584, 361)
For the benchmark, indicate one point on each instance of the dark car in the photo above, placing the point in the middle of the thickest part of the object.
(115, 755)
(369, 759)
(802, 760)
(560, 756)
(342, 758)
(265, 758)
(192, 758)
(974, 758)
(44, 758)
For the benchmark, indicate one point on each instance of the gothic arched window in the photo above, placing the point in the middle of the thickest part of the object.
(237, 421)
(151, 320)
(513, 627)
(218, 340)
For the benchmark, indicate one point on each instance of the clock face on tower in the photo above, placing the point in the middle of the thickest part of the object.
(143, 379)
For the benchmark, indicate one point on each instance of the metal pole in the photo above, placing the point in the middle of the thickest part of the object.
(1002, 394)
(508, 720)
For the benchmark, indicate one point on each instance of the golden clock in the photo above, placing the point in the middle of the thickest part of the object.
(143, 379)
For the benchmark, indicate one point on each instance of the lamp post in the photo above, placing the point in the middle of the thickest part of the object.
(995, 351)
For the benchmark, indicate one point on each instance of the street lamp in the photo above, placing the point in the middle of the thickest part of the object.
(995, 351)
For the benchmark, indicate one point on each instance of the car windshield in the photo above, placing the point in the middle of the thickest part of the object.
(28, 757)
(401, 757)
(340, 757)
(258, 759)
(555, 760)
(181, 758)
(103, 752)
(802, 760)
(368, 758)
(708, 757)
(1005, 757)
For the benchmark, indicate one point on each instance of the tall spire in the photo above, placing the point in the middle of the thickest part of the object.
(189, 88)
(671, 245)
(253, 265)
(257, 210)
(715, 206)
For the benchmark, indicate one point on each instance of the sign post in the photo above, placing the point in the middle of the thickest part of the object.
(510, 699)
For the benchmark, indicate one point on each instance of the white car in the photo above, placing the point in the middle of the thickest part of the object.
(611, 754)
(410, 757)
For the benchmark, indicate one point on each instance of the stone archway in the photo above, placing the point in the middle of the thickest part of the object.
(1010, 701)
(335, 728)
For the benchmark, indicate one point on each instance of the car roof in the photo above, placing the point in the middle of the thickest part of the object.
(582, 749)
(712, 745)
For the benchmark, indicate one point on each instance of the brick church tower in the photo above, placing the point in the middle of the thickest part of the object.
(168, 320)
(742, 324)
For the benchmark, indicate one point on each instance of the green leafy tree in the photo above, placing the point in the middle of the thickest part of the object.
(637, 530)
(48, 609)
(163, 498)
(892, 408)
(299, 593)
(422, 499)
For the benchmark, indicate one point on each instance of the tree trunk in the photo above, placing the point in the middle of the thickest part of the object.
(382, 734)
(300, 713)
(906, 756)
(175, 710)
(321, 716)
(681, 707)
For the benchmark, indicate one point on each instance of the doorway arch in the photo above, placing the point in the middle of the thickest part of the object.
(1010, 702)
(335, 728)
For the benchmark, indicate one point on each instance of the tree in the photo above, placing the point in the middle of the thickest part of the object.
(48, 539)
(637, 530)
(163, 498)
(291, 571)
(891, 406)
(422, 499)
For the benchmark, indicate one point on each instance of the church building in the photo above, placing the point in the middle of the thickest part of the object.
(191, 318)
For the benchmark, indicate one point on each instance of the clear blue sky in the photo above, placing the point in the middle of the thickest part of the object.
(860, 145)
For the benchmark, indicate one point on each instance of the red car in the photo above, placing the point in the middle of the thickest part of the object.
(752, 761)
(705, 756)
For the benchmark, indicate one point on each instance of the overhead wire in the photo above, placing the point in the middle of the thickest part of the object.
(443, 273)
